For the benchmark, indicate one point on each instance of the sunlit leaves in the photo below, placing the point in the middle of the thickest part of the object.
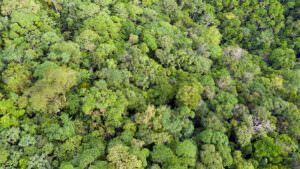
(16, 77)
(47, 94)
(119, 156)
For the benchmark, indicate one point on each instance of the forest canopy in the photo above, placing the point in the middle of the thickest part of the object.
(149, 84)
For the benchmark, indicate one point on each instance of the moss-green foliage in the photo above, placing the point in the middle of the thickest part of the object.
(154, 84)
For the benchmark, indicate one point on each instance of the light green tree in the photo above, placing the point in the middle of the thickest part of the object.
(48, 93)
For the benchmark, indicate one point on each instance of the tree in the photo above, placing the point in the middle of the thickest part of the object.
(142, 154)
(161, 125)
(65, 52)
(38, 161)
(10, 114)
(68, 149)
(150, 40)
(105, 26)
(189, 95)
(88, 40)
(210, 158)
(99, 164)
(267, 148)
(91, 150)
(240, 162)
(7, 7)
(4, 156)
(187, 152)
(107, 103)
(220, 142)
(224, 103)
(16, 77)
(283, 58)
(66, 166)
(55, 132)
(120, 157)
(244, 135)
(48, 93)
(164, 155)
(162, 92)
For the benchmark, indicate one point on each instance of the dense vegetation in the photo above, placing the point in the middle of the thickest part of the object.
(155, 84)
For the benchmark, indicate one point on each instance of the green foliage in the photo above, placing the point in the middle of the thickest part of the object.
(240, 162)
(267, 148)
(120, 157)
(154, 84)
(187, 152)
(210, 158)
(150, 41)
(220, 142)
(224, 103)
(16, 77)
(3, 156)
(244, 135)
(48, 93)
(161, 125)
(9, 114)
(68, 148)
(57, 132)
(106, 27)
(99, 164)
(37, 161)
(189, 94)
(283, 58)
(164, 155)
(65, 52)
(7, 7)
(107, 103)
(88, 40)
